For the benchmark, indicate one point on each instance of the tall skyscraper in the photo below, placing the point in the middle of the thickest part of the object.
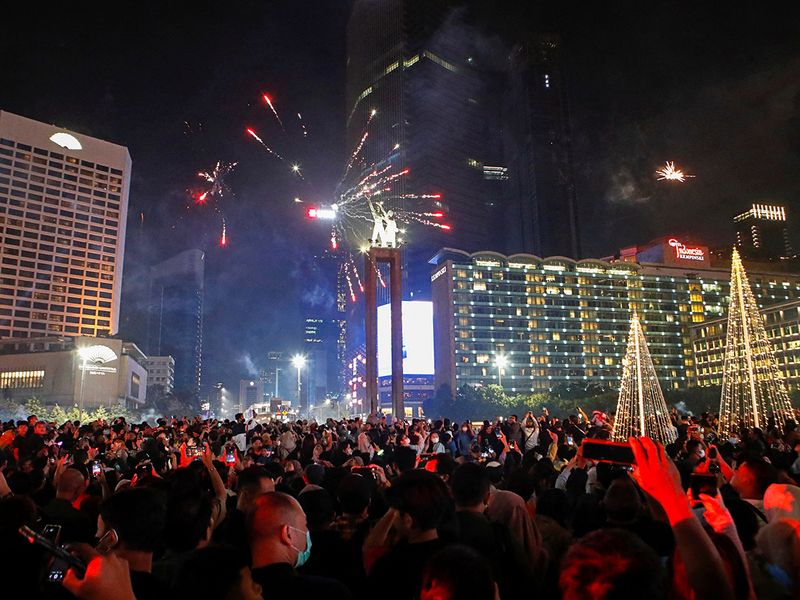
(541, 207)
(324, 348)
(761, 233)
(414, 62)
(63, 205)
(175, 317)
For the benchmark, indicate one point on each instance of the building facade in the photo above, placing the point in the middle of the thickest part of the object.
(782, 322)
(175, 317)
(541, 214)
(73, 371)
(63, 209)
(563, 322)
(416, 64)
(161, 372)
(762, 233)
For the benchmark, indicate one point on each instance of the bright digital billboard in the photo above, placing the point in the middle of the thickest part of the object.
(417, 339)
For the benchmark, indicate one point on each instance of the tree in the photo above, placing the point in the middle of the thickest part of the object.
(753, 388)
(641, 409)
(442, 404)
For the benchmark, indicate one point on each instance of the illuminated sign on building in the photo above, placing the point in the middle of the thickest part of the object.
(684, 252)
(438, 274)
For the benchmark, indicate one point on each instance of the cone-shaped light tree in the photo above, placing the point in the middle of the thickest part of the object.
(753, 389)
(641, 410)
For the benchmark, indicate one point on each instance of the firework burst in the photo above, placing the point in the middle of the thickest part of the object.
(669, 173)
(217, 190)
(362, 189)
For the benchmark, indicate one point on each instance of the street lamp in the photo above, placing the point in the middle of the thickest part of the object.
(298, 362)
(502, 362)
(84, 355)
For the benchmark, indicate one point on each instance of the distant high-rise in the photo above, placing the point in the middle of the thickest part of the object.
(324, 348)
(414, 62)
(63, 205)
(761, 233)
(541, 211)
(175, 317)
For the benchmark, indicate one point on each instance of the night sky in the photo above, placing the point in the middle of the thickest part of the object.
(718, 91)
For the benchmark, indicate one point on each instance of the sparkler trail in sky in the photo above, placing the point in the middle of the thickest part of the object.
(251, 131)
(670, 173)
(302, 124)
(268, 100)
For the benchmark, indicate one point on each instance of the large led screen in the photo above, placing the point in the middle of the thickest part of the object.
(417, 339)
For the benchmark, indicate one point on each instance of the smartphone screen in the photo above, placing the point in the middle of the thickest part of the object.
(229, 456)
(52, 532)
(57, 570)
(703, 483)
(604, 451)
(96, 468)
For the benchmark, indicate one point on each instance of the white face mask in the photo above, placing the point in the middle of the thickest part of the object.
(702, 453)
(434, 440)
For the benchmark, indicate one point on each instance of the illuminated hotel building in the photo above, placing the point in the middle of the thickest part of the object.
(63, 205)
(761, 233)
(782, 322)
(559, 321)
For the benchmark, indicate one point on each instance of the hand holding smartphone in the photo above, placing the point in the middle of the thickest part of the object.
(611, 452)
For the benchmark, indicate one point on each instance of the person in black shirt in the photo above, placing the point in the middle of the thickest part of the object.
(494, 541)
(419, 502)
(136, 518)
(75, 525)
(280, 542)
(232, 578)
(251, 483)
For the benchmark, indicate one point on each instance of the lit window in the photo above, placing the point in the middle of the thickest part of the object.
(22, 379)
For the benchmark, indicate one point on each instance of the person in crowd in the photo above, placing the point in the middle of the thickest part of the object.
(455, 573)
(250, 484)
(75, 525)
(612, 563)
(280, 543)
(131, 524)
(231, 579)
(406, 536)
(464, 439)
(471, 491)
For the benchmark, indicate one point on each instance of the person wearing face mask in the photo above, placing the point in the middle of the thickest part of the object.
(464, 439)
(280, 543)
(695, 453)
(435, 446)
(512, 570)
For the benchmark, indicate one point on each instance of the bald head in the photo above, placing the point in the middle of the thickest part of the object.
(273, 510)
(277, 529)
(70, 485)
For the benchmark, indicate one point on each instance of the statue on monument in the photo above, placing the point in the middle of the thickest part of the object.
(384, 228)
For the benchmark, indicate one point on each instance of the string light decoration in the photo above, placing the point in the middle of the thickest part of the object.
(753, 388)
(641, 409)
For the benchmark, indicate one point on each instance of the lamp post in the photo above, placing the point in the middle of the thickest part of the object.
(298, 362)
(83, 355)
(502, 362)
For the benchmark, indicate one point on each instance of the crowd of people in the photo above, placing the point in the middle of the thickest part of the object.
(377, 507)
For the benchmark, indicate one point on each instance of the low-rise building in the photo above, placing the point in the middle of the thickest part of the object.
(73, 371)
(161, 372)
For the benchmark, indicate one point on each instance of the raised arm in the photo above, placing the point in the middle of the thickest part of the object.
(657, 475)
